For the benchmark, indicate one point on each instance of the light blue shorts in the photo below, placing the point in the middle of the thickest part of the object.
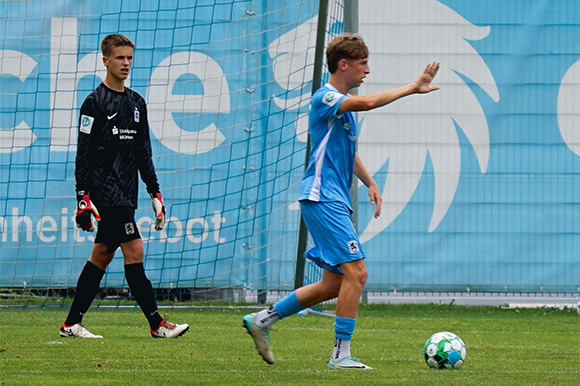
(335, 239)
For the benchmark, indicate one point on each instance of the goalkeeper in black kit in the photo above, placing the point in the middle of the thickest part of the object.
(113, 148)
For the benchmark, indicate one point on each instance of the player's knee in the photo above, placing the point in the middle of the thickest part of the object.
(357, 273)
(359, 277)
(100, 256)
(134, 258)
(362, 277)
(133, 251)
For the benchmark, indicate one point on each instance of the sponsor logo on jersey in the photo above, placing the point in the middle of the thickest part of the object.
(136, 115)
(125, 134)
(86, 124)
(109, 117)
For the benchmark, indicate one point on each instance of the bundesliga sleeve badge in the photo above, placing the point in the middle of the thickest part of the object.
(330, 98)
(86, 124)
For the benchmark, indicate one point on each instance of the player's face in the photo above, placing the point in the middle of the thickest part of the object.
(357, 70)
(119, 62)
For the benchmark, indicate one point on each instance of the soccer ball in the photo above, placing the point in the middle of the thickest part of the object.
(578, 309)
(445, 350)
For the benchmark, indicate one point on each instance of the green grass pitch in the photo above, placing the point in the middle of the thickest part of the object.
(504, 347)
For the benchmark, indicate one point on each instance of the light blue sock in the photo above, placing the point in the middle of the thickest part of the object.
(288, 306)
(344, 328)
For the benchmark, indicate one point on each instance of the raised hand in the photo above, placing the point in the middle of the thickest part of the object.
(423, 82)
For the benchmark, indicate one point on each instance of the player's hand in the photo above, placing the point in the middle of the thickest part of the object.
(423, 82)
(85, 208)
(159, 209)
(376, 199)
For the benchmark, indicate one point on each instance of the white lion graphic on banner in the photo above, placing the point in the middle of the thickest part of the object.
(568, 109)
(401, 40)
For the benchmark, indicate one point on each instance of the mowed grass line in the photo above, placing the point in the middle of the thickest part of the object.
(504, 347)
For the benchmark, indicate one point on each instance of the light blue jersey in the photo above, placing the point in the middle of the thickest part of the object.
(329, 174)
(325, 198)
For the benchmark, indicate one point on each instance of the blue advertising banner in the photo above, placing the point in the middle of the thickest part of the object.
(224, 147)
(479, 180)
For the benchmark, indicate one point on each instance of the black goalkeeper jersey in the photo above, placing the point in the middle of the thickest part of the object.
(113, 146)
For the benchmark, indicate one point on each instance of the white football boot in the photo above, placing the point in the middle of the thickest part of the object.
(261, 337)
(170, 330)
(349, 362)
(77, 330)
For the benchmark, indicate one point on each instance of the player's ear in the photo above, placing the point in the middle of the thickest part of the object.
(105, 61)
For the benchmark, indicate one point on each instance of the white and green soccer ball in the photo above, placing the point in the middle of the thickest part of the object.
(445, 350)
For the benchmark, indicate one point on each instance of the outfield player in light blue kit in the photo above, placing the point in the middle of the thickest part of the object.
(325, 201)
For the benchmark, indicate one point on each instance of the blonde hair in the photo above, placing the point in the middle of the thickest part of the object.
(347, 46)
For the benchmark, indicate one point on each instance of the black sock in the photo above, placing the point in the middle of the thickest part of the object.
(87, 287)
(143, 292)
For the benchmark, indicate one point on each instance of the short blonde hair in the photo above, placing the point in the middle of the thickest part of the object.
(347, 46)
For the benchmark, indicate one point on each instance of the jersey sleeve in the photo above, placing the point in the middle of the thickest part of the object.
(326, 103)
(143, 152)
(87, 121)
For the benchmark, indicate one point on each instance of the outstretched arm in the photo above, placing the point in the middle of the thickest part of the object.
(421, 85)
(361, 172)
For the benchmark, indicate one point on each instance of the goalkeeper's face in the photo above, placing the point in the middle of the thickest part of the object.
(119, 62)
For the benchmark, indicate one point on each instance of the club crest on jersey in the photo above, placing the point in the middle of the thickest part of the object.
(86, 124)
(353, 247)
(136, 115)
(129, 228)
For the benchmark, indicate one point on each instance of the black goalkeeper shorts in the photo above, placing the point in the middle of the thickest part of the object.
(117, 226)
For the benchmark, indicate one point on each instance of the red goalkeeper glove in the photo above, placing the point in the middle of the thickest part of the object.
(85, 208)
(159, 209)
